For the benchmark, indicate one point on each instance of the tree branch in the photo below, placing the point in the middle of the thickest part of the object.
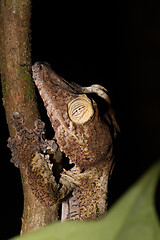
(15, 62)
(19, 95)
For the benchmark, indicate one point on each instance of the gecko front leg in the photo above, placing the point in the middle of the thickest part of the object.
(88, 200)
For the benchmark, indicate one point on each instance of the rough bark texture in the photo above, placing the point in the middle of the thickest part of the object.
(19, 95)
(15, 62)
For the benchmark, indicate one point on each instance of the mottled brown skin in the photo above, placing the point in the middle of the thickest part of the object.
(27, 147)
(89, 145)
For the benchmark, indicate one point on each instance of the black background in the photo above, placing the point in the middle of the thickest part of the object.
(116, 45)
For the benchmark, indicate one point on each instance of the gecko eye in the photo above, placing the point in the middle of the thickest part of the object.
(80, 110)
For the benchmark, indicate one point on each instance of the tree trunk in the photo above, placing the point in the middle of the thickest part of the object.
(19, 95)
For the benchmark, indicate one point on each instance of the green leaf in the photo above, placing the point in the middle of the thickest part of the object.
(133, 217)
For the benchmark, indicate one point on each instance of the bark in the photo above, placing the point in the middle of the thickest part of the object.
(15, 62)
(19, 95)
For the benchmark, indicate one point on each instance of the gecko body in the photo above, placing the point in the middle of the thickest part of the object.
(85, 128)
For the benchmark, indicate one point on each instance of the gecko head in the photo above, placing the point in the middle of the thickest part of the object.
(82, 117)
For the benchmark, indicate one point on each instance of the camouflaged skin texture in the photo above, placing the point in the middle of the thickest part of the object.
(27, 149)
(89, 145)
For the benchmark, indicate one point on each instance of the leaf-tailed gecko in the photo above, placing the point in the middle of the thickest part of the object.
(85, 128)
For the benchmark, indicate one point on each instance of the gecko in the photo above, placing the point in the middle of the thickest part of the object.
(85, 131)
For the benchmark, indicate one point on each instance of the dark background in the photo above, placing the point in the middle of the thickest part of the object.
(116, 45)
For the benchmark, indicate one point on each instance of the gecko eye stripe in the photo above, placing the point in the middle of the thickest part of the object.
(80, 110)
